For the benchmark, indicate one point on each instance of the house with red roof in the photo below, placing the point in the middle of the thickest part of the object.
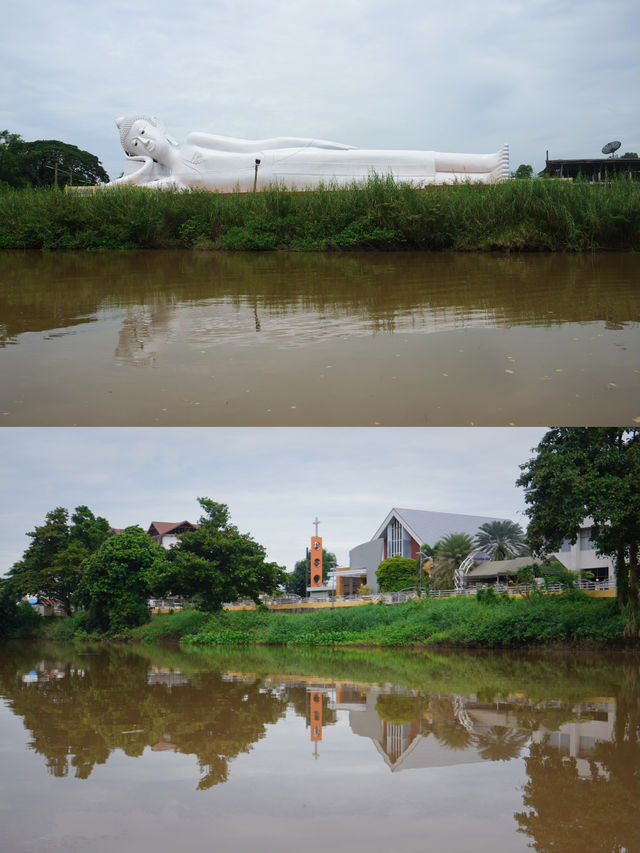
(166, 533)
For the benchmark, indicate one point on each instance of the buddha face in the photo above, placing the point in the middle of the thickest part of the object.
(146, 138)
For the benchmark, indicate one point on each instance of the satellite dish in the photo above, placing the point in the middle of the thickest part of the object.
(610, 147)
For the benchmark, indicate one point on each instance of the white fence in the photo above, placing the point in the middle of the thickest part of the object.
(412, 593)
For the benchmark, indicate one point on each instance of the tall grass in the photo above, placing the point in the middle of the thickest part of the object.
(510, 623)
(530, 215)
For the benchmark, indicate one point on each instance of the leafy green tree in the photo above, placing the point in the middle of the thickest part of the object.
(52, 564)
(502, 540)
(588, 471)
(396, 573)
(117, 577)
(296, 582)
(46, 162)
(449, 552)
(523, 171)
(217, 563)
(632, 155)
(12, 161)
(17, 618)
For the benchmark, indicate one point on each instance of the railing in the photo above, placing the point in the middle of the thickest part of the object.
(412, 593)
(166, 603)
(516, 589)
(289, 598)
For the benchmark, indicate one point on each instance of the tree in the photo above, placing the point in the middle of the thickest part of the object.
(523, 171)
(12, 163)
(117, 579)
(631, 155)
(216, 563)
(16, 617)
(296, 582)
(502, 540)
(588, 471)
(396, 573)
(46, 162)
(52, 564)
(449, 552)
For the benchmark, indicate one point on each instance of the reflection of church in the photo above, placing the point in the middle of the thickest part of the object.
(412, 731)
(403, 745)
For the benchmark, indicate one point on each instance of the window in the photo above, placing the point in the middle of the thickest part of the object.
(394, 538)
(566, 545)
(585, 539)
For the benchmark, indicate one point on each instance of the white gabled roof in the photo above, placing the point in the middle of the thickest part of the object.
(428, 527)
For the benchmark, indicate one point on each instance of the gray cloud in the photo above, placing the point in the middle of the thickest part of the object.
(375, 73)
(274, 481)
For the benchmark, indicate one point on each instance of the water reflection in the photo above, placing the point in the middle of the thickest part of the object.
(80, 706)
(79, 712)
(187, 338)
(214, 298)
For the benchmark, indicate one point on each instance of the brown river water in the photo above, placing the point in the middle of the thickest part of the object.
(195, 339)
(156, 750)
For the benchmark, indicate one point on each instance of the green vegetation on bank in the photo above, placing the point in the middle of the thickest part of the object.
(497, 622)
(535, 215)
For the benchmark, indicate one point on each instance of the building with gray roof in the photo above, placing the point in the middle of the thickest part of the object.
(403, 532)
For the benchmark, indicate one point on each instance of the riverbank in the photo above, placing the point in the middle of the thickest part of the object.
(520, 215)
(567, 620)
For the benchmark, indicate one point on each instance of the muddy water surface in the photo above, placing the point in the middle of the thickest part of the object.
(183, 338)
(155, 751)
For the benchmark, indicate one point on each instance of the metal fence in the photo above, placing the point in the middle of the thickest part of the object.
(412, 593)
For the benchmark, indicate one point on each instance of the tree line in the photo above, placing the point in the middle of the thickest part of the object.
(83, 563)
(46, 163)
(575, 473)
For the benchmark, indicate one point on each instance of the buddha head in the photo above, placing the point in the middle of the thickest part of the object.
(145, 135)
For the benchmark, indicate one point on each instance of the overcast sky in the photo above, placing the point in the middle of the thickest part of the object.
(274, 481)
(461, 76)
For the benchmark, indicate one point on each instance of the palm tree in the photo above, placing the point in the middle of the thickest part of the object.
(502, 540)
(449, 552)
(501, 743)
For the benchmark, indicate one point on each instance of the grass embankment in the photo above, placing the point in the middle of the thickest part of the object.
(527, 215)
(505, 623)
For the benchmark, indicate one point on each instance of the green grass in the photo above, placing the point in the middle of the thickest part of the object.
(512, 623)
(572, 619)
(536, 215)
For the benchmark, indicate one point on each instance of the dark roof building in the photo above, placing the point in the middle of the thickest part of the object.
(166, 533)
(592, 169)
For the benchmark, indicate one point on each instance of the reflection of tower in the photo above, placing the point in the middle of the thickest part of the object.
(315, 718)
(316, 558)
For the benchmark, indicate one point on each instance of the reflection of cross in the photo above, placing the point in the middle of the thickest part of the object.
(316, 522)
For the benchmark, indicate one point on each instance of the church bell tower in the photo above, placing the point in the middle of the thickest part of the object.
(315, 559)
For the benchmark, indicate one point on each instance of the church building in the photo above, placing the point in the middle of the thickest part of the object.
(403, 532)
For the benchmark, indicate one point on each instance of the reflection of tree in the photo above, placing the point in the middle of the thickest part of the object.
(446, 725)
(599, 812)
(398, 708)
(78, 720)
(573, 814)
(501, 743)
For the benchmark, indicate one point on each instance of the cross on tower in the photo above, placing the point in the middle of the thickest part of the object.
(316, 523)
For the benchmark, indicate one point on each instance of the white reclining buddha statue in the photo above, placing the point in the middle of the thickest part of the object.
(222, 163)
